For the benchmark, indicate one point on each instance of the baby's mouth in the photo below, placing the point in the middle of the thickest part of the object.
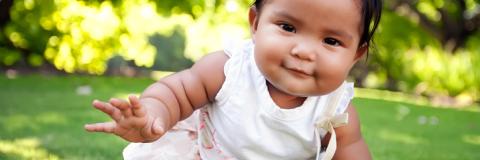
(298, 70)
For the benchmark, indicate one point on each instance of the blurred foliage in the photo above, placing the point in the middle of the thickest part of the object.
(83, 36)
(416, 62)
(450, 22)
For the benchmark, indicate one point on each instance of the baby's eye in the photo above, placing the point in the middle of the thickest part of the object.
(287, 27)
(331, 41)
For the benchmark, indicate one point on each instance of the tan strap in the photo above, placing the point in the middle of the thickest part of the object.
(328, 122)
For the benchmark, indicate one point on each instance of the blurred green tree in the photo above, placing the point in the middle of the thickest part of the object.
(81, 36)
(451, 22)
(412, 56)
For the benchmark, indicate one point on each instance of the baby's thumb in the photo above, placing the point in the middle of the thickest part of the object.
(158, 127)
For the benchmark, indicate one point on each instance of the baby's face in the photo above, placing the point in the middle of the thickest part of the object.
(307, 47)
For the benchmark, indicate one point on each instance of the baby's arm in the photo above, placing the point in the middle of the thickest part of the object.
(163, 103)
(350, 143)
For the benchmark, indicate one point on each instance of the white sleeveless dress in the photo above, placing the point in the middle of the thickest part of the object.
(245, 123)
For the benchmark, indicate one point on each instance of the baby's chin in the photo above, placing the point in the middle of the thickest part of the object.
(302, 91)
(305, 94)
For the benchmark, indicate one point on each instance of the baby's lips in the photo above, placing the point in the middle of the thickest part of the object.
(298, 67)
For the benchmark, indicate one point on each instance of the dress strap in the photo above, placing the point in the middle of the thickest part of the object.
(328, 121)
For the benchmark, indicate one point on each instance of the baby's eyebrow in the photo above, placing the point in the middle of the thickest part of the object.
(288, 16)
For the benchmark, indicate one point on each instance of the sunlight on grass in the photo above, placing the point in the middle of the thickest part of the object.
(400, 137)
(51, 118)
(17, 122)
(471, 139)
(25, 148)
(403, 98)
(21, 122)
(157, 75)
(390, 96)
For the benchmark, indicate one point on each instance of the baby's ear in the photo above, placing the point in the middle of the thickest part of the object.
(253, 19)
(362, 49)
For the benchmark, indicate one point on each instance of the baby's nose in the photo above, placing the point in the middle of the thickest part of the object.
(304, 52)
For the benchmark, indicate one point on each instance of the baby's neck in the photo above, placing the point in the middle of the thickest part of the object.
(284, 100)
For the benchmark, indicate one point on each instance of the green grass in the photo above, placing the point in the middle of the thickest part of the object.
(42, 118)
(396, 130)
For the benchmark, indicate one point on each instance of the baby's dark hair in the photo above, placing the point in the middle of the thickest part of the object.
(371, 14)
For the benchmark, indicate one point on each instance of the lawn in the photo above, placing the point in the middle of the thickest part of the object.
(42, 117)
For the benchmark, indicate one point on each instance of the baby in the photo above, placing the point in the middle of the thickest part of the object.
(280, 95)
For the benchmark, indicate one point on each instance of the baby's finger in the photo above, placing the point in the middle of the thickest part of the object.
(157, 127)
(113, 112)
(106, 127)
(137, 108)
(124, 106)
(153, 131)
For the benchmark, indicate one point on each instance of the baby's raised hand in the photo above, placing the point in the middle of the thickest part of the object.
(130, 120)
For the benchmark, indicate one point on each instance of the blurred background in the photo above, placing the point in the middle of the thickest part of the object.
(418, 91)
